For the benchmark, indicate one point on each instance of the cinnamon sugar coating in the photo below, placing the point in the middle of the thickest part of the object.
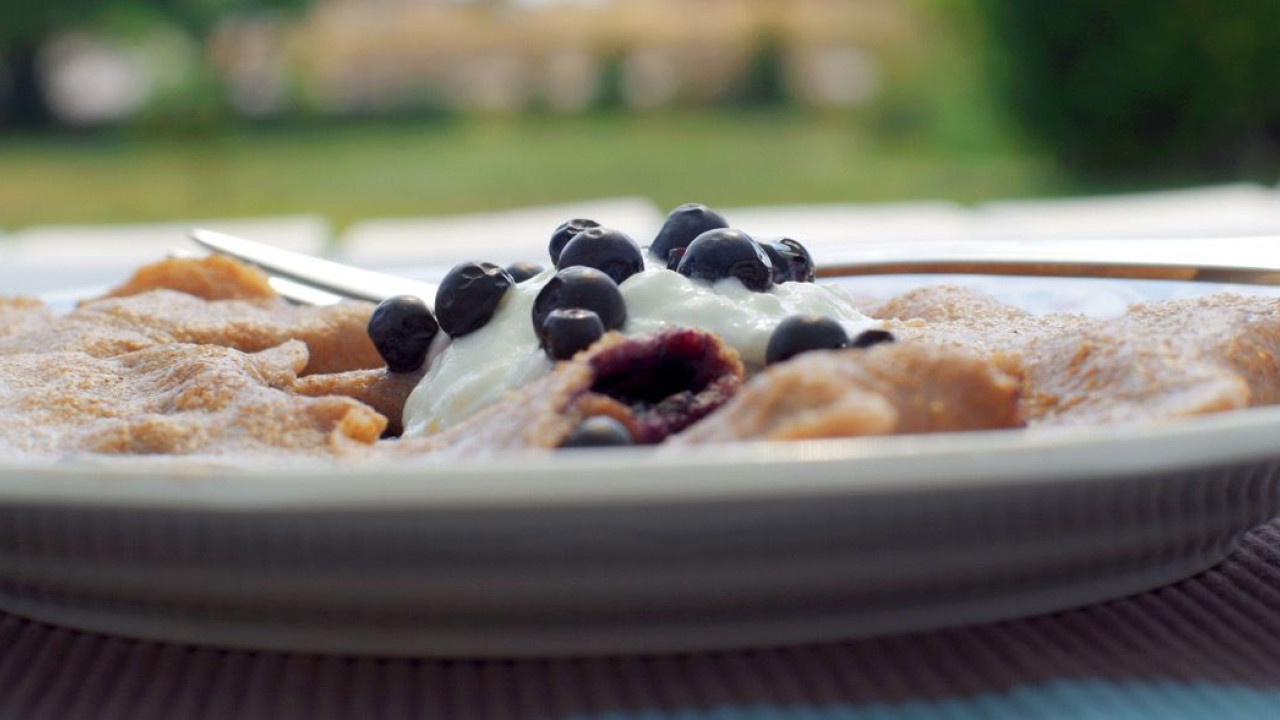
(381, 390)
(1158, 361)
(23, 315)
(210, 278)
(173, 399)
(189, 357)
(203, 302)
(884, 390)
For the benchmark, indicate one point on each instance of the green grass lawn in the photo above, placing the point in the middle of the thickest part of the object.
(353, 172)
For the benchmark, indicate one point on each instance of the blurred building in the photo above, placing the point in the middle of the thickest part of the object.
(374, 56)
(370, 57)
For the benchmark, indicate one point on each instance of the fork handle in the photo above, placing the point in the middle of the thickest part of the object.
(1252, 260)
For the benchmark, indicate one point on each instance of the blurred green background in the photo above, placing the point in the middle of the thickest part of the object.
(131, 110)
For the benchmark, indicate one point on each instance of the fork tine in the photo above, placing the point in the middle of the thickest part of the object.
(299, 294)
(313, 272)
(294, 292)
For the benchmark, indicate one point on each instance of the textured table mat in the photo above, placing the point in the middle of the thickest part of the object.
(1207, 647)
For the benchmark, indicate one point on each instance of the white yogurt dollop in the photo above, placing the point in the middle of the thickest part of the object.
(477, 370)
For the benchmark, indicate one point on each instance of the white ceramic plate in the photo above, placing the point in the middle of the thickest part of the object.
(634, 550)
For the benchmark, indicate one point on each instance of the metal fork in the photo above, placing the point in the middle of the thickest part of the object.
(1249, 260)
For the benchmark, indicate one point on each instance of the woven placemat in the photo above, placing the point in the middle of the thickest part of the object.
(1205, 647)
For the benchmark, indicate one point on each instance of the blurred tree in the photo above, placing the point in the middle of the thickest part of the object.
(23, 27)
(611, 93)
(764, 81)
(26, 24)
(1143, 87)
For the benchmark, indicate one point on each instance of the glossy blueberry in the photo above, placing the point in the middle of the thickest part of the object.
(402, 328)
(791, 261)
(725, 253)
(523, 270)
(610, 251)
(598, 431)
(568, 330)
(683, 225)
(565, 233)
(867, 338)
(583, 288)
(802, 333)
(469, 295)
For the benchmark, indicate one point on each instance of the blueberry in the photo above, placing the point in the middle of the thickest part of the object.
(469, 295)
(568, 330)
(721, 254)
(683, 225)
(523, 270)
(611, 251)
(402, 328)
(867, 338)
(791, 261)
(580, 287)
(598, 431)
(565, 233)
(802, 333)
